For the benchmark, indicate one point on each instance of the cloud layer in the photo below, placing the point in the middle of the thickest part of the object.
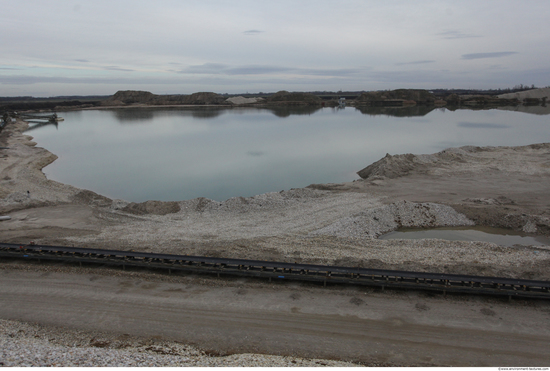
(59, 48)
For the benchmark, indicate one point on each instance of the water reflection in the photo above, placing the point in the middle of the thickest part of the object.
(140, 115)
(534, 110)
(396, 111)
(125, 115)
(207, 113)
(221, 153)
(40, 124)
(286, 111)
(482, 125)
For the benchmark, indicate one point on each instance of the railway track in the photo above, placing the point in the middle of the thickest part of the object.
(285, 271)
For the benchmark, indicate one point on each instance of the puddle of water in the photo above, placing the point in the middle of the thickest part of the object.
(500, 236)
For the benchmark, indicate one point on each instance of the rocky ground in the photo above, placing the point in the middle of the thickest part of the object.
(330, 223)
(24, 345)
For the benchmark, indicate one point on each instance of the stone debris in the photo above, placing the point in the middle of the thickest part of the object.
(375, 222)
(29, 345)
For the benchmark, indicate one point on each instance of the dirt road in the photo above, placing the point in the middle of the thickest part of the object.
(239, 316)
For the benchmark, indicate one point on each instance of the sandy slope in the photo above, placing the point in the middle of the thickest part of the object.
(535, 93)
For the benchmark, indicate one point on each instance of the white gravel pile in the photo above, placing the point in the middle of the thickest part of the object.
(375, 222)
(298, 211)
(24, 345)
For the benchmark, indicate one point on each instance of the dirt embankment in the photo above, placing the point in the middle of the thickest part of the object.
(493, 186)
(287, 98)
(130, 97)
(133, 97)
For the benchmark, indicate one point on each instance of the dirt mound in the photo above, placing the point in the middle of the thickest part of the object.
(203, 98)
(91, 198)
(152, 207)
(418, 95)
(286, 97)
(466, 158)
(132, 96)
(125, 97)
(393, 166)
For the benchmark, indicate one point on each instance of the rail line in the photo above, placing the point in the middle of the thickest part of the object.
(285, 271)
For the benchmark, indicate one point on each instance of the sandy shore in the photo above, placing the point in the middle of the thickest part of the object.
(329, 223)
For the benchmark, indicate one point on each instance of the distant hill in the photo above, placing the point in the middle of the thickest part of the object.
(294, 97)
(125, 97)
(417, 95)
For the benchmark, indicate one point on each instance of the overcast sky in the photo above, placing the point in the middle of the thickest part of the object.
(57, 47)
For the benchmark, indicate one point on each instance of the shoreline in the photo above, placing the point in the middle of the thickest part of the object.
(329, 223)
(332, 223)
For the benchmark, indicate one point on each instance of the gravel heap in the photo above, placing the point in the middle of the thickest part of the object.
(375, 222)
(297, 211)
(24, 345)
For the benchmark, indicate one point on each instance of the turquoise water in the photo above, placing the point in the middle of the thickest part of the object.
(143, 154)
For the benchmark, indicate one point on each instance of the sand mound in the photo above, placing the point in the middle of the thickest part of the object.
(527, 94)
(375, 222)
(467, 158)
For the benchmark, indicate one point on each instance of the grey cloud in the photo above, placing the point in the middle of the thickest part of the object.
(115, 68)
(82, 60)
(450, 35)
(255, 153)
(487, 55)
(222, 69)
(415, 62)
(410, 77)
(256, 70)
(252, 32)
(28, 80)
(480, 125)
(25, 80)
(260, 70)
(330, 72)
(207, 68)
(219, 80)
